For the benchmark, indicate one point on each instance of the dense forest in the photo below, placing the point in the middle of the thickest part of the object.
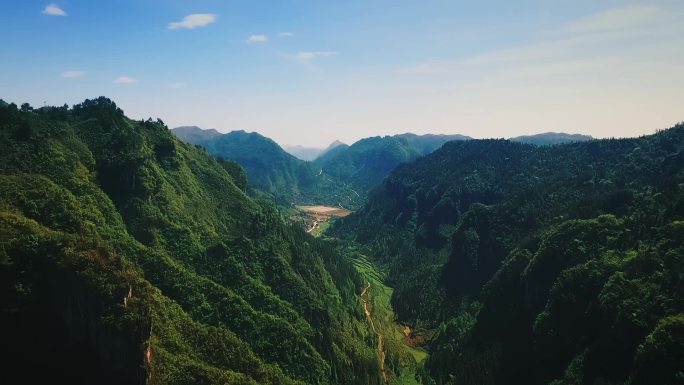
(128, 256)
(524, 264)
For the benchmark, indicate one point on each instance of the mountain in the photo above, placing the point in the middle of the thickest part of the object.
(364, 164)
(269, 168)
(428, 143)
(526, 264)
(267, 165)
(128, 256)
(303, 153)
(551, 138)
(331, 151)
(194, 134)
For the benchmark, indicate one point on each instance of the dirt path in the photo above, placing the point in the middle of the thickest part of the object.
(381, 344)
(365, 289)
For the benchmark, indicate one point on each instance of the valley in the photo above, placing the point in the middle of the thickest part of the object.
(342, 192)
(481, 261)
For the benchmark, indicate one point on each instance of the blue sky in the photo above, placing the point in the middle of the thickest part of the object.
(310, 72)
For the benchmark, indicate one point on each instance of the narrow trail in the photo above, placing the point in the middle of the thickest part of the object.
(398, 361)
(381, 344)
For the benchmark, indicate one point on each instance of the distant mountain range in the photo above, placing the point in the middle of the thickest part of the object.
(551, 138)
(364, 164)
(311, 153)
(340, 174)
(303, 153)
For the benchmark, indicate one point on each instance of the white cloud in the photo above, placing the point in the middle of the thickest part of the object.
(54, 10)
(615, 19)
(257, 39)
(286, 34)
(308, 55)
(125, 80)
(72, 74)
(175, 86)
(193, 21)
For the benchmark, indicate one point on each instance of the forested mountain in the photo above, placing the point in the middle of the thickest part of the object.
(195, 135)
(537, 264)
(550, 138)
(364, 164)
(127, 256)
(270, 169)
(336, 145)
(331, 151)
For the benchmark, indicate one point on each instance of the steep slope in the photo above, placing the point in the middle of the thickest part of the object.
(364, 164)
(269, 168)
(127, 256)
(554, 264)
(551, 138)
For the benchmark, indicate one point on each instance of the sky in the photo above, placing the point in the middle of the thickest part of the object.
(310, 72)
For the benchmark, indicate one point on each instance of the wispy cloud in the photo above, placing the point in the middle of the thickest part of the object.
(616, 19)
(175, 86)
(193, 21)
(597, 36)
(286, 34)
(54, 10)
(72, 74)
(257, 39)
(125, 80)
(308, 55)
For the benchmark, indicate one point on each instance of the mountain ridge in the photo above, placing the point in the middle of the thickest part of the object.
(130, 251)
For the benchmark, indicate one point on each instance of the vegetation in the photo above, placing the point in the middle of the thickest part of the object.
(127, 256)
(555, 264)
(402, 361)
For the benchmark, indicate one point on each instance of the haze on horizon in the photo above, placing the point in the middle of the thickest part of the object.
(310, 72)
